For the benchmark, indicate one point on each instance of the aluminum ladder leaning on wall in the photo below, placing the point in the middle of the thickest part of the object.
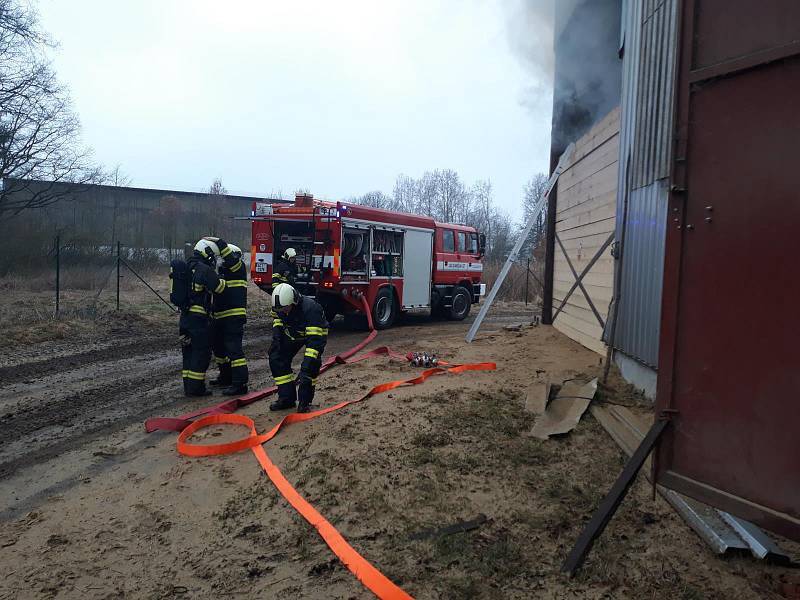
(514, 255)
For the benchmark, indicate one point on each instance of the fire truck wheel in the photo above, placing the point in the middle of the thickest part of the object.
(384, 310)
(461, 303)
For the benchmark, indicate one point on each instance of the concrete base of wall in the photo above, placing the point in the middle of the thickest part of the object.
(638, 375)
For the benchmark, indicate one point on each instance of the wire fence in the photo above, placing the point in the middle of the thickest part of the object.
(523, 283)
(72, 281)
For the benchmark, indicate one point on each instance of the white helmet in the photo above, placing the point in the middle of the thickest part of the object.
(235, 249)
(207, 249)
(283, 295)
(289, 253)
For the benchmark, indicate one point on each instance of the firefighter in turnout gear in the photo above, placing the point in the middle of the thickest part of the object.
(194, 324)
(227, 325)
(300, 322)
(285, 269)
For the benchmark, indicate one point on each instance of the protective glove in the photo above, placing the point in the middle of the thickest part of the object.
(184, 340)
(221, 244)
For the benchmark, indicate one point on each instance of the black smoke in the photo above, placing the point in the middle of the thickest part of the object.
(588, 70)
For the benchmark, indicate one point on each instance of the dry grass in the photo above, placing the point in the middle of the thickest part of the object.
(87, 304)
(513, 288)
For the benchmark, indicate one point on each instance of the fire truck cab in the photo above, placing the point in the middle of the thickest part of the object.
(397, 261)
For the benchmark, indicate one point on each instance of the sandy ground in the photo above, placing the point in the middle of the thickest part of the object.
(92, 507)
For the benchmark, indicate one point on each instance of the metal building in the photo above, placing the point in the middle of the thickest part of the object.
(707, 214)
(643, 54)
(648, 48)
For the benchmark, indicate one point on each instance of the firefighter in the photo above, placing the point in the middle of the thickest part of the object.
(285, 269)
(227, 326)
(194, 324)
(300, 322)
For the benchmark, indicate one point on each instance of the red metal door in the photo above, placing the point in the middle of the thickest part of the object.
(730, 333)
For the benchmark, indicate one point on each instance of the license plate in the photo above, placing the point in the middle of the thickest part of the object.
(261, 267)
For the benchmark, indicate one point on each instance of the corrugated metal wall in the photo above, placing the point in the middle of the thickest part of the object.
(648, 72)
(656, 73)
(640, 290)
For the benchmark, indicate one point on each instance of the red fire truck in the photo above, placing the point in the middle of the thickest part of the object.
(398, 261)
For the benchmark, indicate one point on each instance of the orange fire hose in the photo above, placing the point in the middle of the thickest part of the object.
(371, 577)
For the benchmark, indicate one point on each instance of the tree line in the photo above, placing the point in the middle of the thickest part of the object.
(40, 147)
(443, 195)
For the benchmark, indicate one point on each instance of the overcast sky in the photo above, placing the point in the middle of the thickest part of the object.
(335, 97)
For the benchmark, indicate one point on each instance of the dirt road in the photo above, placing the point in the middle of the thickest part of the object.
(92, 507)
(60, 404)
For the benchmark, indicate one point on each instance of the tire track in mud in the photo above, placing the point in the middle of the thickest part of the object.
(81, 417)
(34, 369)
(85, 404)
(102, 430)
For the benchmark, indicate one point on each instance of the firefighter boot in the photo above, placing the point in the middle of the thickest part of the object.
(224, 377)
(282, 404)
(220, 381)
(287, 396)
(305, 393)
(236, 389)
(194, 388)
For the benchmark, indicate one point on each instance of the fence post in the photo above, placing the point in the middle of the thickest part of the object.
(527, 271)
(118, 274)
(58, 272)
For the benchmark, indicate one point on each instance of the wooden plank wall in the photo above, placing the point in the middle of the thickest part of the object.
(585, 216)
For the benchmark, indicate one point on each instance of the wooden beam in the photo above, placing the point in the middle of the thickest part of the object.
(579, 278)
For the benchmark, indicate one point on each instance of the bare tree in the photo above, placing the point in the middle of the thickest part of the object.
(450, 195)
(217, 189)
(406, 193)
(39, 132)
(481, 210)
(117, 177)
(376, 199)
(442, 194)
(426, 199)
(533, 190)
(502, 238)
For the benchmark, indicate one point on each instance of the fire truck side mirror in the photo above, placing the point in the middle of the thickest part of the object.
(482, 244)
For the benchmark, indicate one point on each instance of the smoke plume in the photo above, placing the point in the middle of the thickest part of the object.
(572, 45)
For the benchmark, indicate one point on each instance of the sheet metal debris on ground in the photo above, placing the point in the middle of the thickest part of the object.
(565, 410)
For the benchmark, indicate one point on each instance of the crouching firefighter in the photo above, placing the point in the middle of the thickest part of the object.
(300, 322)
(227, 325)
(191, 288)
